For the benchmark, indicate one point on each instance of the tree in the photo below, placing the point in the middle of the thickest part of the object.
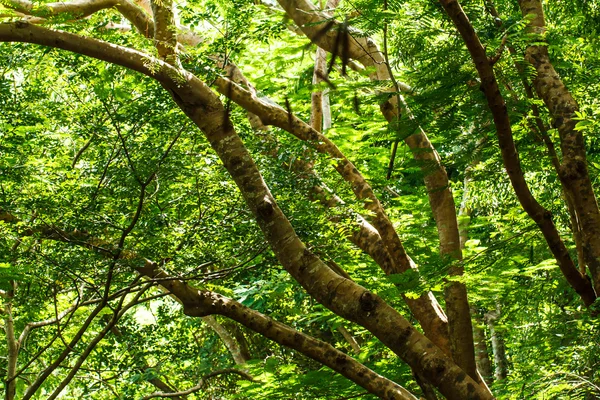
(116, 212)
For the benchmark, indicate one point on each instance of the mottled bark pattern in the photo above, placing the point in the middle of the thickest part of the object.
(341, 295)
(165, 31)
(203, 303)
(573, 170)
(426, 309)
(540, 215)
(365, 51)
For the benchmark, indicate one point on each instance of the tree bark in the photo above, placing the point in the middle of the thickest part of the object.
(365, 51)
(573, 170)
(540, 215)
(541, 128)
(320, 71)
(230, 342)
(498, 348)
(165, 30)
(426, 309)
(342, 296)
(482, 359)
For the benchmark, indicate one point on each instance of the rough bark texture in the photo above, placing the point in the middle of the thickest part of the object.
(365, 51)
(426, 309)
(341, 295)
(540, 128)
(165, 31)
(202, 304)
(539, 214)
(573, 170)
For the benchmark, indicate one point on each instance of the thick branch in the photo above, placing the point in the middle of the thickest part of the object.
(364, 50)
(204, 303)
(573, 170)
(496, 103)
(165, 31)
(342, 296)
(392, 254)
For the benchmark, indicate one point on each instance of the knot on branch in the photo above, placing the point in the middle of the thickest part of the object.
(265, 208)
(22, 24)
(368, 302)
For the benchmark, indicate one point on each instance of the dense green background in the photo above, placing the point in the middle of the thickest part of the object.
(77, 135)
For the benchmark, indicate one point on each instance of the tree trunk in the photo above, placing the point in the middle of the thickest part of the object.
(440, 196)
(482, 357)
(539, 214)
(498, 348)
(573, 171)
(341, 295)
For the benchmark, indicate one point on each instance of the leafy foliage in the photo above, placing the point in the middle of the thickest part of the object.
(93, 149)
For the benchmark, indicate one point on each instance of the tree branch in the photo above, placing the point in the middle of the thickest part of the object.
(539, 214)
(165, 31)
(201, 303)
(342, 296)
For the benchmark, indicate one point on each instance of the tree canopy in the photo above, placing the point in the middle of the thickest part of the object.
(230, 199)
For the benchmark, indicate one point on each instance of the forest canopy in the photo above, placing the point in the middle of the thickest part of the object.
(350, 199)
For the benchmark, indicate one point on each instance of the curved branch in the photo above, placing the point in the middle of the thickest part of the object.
(510, 155)
(342, 296)
(77, 8)
(184, 84)
(201, 303)
(426, 309)
(573, 171)
(46, 322)
(364, 50)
